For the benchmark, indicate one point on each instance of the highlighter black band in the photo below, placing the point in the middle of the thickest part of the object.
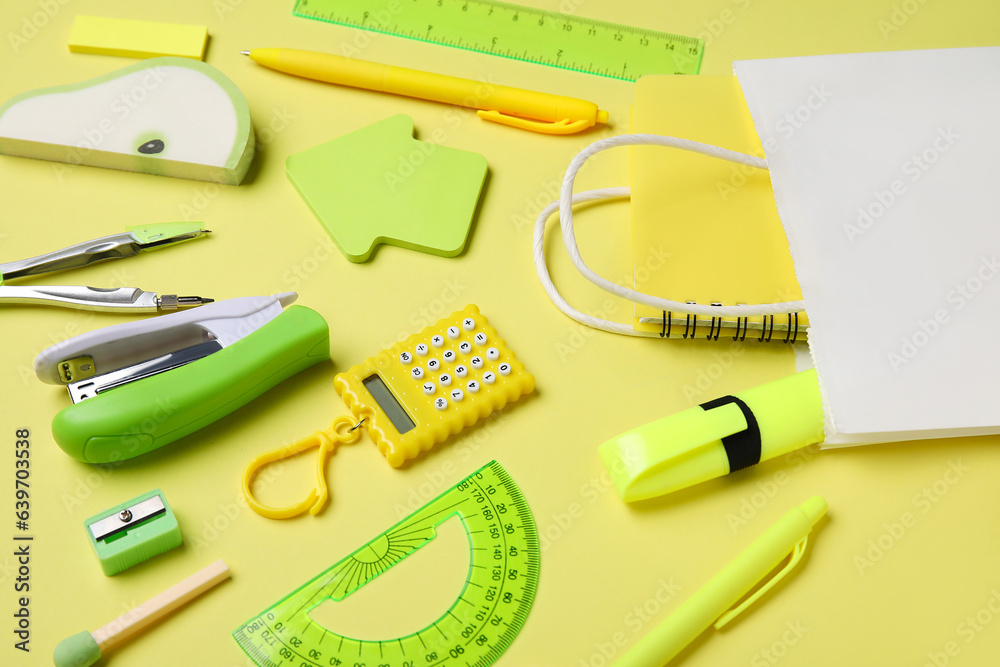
(742, 447)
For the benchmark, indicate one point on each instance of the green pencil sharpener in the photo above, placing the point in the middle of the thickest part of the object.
(133, 532)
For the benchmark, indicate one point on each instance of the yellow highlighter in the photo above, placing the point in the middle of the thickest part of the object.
(525, 109)
(710, 604)
(716, 438)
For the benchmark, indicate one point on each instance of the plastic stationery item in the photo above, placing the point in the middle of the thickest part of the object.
(379, 185)
(716, 438)
(475, 630)
(410, 397)
(420, 391)
(86, 648)
(523, 33)
(342, 431)
(163, 116)
(136, 39)
(142, 385)
(133, 532)
(709, 605)
(516, 107)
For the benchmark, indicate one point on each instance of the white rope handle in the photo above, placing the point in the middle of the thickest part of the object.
(565, 207)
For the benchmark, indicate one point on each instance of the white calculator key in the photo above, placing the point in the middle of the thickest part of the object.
(433, 364)
(422, 349)
(453, 332)
(473, 386)
(465, 347)
(461, 371)
(429, 388)
(480, 338)
(445, 380)
(449, 356)
(477, 362)
(440, 403)
(504, 369)
(405, 358)
(492, 354)
(489, 377)
(468, 324)
(456, 395)
(417, 372)
(437, 340)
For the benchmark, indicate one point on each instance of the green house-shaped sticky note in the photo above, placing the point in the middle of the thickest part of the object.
(380, 185)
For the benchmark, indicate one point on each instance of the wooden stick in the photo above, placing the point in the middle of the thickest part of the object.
(132, 622)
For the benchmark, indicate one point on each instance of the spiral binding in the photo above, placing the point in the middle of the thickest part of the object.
(686, 326)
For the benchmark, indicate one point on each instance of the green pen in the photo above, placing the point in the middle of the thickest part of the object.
(710, 604)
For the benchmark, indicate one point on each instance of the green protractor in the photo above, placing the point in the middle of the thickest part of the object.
(473, 632)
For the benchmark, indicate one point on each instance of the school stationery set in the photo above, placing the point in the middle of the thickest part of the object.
(208, 358)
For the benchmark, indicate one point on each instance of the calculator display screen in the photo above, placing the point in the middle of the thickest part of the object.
(390, 406)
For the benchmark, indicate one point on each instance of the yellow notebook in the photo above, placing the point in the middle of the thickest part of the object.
(714, 221)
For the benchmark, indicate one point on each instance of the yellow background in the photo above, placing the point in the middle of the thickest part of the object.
(608, 570)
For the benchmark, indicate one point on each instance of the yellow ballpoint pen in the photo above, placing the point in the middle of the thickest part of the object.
(526, 109)
(713, 604)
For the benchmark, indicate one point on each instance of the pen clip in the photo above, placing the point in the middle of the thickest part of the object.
(564, 126)
(800, 549)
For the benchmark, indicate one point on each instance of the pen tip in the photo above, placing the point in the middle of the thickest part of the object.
(245, 53)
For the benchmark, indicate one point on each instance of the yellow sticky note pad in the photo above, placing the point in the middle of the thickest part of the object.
(136, 39)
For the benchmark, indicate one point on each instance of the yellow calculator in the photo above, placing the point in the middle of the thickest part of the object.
(416, 393)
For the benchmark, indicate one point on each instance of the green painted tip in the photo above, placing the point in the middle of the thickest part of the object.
(77, 651)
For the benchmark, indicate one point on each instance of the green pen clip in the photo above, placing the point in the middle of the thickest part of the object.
(139, 386)
(716, 438)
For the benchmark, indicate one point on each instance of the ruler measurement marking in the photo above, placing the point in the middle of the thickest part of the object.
(505, 24)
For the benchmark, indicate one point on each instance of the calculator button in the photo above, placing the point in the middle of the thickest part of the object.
(456, 395)
(405, 358)
(437, 340)
(445, 380)
(473, 386)
(461, 371)
(465, 347)
(477, 362)
(422, 349)
(504, 369)
(468, 324)
(429, 388)
(417, 372)
(449, 356)
(492, 354)
(453, 332)
(433, 365)
(480, 338)
(489, 378)
(440, 403)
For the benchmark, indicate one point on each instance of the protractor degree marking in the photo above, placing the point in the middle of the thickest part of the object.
(350, 571)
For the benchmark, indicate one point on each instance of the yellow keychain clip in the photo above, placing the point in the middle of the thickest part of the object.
(410, 397)
(342, 431)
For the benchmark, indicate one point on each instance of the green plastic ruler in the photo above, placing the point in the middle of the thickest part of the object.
(474, 632)
(522, 33)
